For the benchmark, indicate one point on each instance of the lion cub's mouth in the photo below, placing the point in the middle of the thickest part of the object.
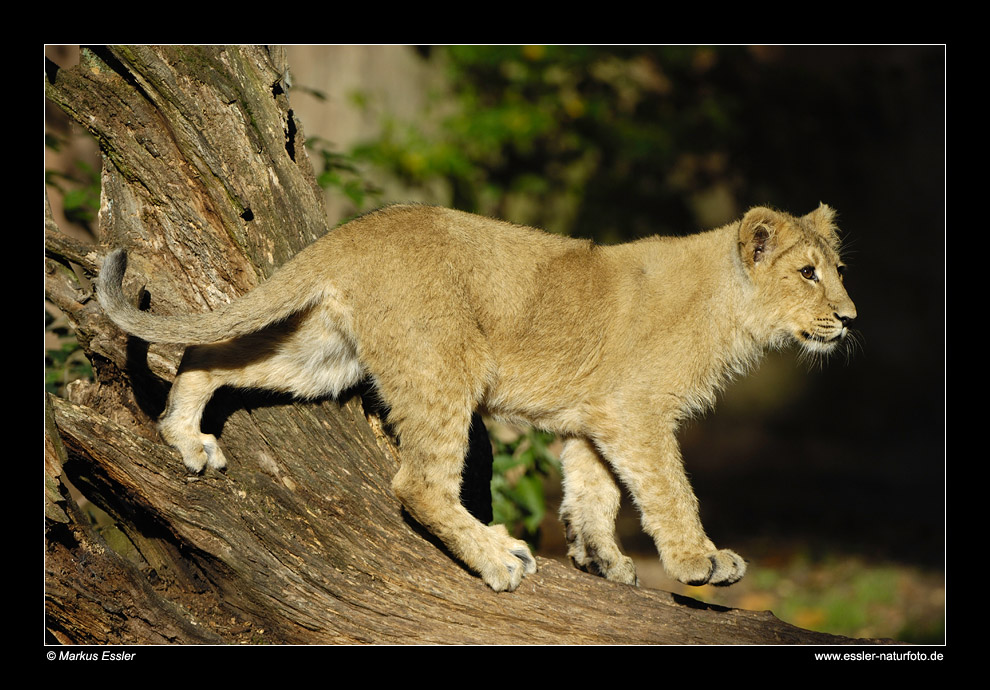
(821, 342)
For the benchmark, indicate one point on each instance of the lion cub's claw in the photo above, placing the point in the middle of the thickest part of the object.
(529, 563)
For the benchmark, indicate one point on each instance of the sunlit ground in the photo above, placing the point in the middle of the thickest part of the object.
(842, 596)
(839, 595)
(832, 592)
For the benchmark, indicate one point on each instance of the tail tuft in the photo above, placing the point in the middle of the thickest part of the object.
(111, 276)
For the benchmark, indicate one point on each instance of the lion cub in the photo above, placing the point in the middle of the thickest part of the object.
(447, 313)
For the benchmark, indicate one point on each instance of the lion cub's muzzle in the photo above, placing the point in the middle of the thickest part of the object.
(828, 332)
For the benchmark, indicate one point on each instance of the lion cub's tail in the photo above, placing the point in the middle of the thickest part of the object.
(265, 305)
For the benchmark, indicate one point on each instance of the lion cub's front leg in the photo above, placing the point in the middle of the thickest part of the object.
(588, 511)
(651, 467)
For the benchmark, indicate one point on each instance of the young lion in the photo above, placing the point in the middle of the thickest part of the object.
(447, 312)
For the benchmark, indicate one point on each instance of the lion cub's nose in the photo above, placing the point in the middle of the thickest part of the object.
(846, 319)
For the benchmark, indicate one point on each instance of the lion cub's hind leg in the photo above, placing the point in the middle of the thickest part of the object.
(180, 425)
(431, 404)
(588, 511)
(308, 356)
(428, 485)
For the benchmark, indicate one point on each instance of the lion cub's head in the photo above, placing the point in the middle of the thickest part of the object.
(795, 266)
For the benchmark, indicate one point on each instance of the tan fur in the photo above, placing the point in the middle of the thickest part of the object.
(447, 312)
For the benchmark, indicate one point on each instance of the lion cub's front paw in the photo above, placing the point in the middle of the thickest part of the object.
(503, 561)
(720, 568)
(622, 570)
(607, 562)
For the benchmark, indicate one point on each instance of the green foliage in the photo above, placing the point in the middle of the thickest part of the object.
(337, 171)
(576, 135)
(80, 187)
(66, 362)
(520, 467)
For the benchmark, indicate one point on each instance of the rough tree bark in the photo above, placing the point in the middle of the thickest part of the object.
(206, 182)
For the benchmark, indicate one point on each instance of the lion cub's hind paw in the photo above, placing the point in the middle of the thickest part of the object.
(508, 561)
(720, 568)
(201, 452)
(214, 456)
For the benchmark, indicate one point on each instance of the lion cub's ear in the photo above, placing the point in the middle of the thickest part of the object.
(822, 219)
(758, 234)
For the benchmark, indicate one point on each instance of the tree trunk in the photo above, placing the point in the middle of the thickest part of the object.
(207, 184)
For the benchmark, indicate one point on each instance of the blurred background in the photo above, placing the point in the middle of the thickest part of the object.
(830, 480)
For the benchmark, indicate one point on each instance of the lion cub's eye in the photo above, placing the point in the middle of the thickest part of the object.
(808, 272)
